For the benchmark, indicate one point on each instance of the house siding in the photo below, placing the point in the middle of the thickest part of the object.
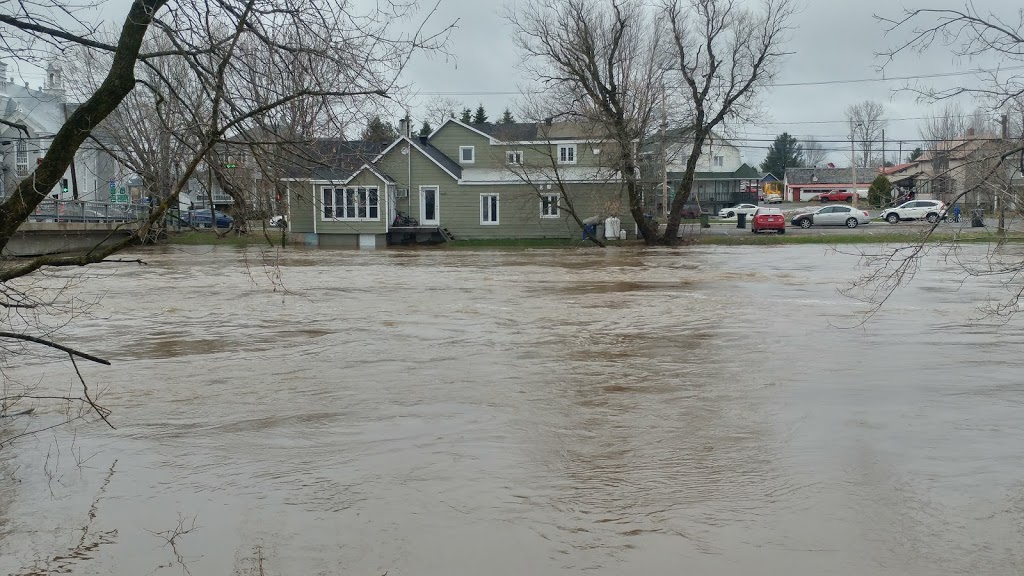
(424, 173)
(300, 207)
(451, 136)
(519, 211)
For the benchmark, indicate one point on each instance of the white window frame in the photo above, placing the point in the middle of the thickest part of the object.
(472, 154)
(564, 158)
(552, 198)
(21, 158)
(361, 207)
(514, 157)
(493, 213)
(718, 161)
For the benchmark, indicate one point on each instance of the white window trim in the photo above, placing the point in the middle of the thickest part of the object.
(558, 208)
(518, 153)
(575, 157)
(472, 151)
(718, 161)
(497, 206)
(334, 206)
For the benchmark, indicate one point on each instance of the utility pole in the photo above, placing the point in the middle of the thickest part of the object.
(853, 163)
(1005, 121)
(883, 149)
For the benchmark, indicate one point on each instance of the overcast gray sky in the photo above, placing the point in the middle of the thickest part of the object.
(832, 40)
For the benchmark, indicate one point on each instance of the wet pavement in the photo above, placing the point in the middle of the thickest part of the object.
(714, 410)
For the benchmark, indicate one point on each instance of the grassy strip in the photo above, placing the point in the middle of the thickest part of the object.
(827, 239)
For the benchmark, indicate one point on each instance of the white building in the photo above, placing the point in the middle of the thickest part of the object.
(717, 155)
(43, 111)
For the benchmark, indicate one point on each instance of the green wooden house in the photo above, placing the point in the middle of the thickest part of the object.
(496, 181)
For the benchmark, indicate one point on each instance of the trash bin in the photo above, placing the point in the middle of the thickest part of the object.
(977, 218)
(589, 231)
(705, 220)
(741, 220)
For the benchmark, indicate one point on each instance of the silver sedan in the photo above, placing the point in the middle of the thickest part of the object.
(835, 215)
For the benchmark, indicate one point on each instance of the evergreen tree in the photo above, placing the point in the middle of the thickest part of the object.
(915, 154)
(426, 129)
(506, 117)
(467, 116)
(481, 116)
(880, 192)
(378, 130)
(784, 153)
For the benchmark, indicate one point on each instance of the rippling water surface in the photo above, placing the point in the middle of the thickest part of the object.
(527, 412)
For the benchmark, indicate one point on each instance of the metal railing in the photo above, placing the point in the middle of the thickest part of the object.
(51, 210)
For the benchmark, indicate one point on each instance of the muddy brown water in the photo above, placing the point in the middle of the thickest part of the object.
(527, 412)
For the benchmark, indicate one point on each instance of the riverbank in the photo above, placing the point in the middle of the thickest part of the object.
(737, 238)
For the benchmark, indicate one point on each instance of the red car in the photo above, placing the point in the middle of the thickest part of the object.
(768, 219)
(836, 196)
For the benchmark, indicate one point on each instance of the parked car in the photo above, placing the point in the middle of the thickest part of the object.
(930, 210)
(732, 211)
(201, 218)
(836, 196)
(832, 216)
(773, 199)
(768, 219)
(278, 222)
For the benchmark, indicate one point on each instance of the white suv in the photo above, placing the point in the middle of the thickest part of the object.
(930, 210)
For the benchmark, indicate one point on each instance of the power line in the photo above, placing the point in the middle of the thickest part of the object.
(774, 85)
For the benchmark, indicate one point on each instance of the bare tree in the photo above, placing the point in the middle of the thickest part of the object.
(585, 194)
(200, 77)
(721, 55)
(970, 35)
(867, 121)
(600, 63)
(441, 108)
(814, 152)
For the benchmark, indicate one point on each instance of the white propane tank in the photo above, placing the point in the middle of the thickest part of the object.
(612, 228)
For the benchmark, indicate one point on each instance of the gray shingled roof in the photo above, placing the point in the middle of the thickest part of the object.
(334, 159)
(829, 175)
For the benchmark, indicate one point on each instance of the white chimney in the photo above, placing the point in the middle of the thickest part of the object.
(3, 77)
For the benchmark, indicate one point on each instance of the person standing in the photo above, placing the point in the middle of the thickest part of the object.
(956, 212)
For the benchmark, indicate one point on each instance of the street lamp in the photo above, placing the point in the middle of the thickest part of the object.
(853, 158)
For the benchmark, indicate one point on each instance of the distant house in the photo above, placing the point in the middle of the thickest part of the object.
(954, 166)
(463, 181)
(94, 174)
(721, 177)
(805, 184)
(907, 179)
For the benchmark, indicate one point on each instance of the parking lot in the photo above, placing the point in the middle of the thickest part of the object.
(727, 227)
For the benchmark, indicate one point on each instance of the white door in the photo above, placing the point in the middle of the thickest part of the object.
(429, 213)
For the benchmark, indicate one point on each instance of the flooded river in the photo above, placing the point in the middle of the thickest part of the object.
(696, 411)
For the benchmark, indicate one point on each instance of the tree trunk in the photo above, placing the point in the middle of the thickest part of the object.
(675, 216)
(119, 82)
